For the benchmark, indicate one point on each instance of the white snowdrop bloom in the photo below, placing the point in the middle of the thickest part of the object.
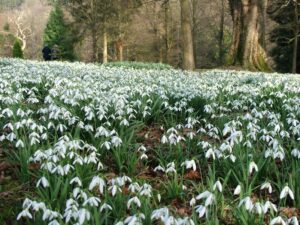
(293, 221)
(278, 220)
(296, 153)
(92, 201)
(25, 213)
(203, 195)
(116, 141)
(119, 223)
(106, 144)
(54, 222)
(2, 137)
(135, 219)
(143, 156)
(269, 206)
(83, 216)
(201, 210)
(164, 139)
(50, 215)
(192, 202)
(252, 166)
(114, 189)
(158, 197)
(105, 206)
(20, 144)
(160, 213)
(210, 153)
(286, 191)
(134, 200)
(189, 164)
(208, 196)
(218, 186)
(97, 182)
(171, 168)
(146, 190)
(268, 186)
(142, 148)
(159, 168)
(258, 208)
(43, 181)
(124, 122)
(36, 206)
(247, 203)
(134, 187)
(237, 190)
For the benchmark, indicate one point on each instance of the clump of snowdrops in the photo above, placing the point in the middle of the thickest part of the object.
(112, 146)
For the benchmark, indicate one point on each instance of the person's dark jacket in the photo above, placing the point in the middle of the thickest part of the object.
(46, 53)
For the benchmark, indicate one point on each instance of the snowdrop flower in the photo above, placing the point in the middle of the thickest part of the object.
(97, 182)
(158, 197)
(92, 201)
(266, 185)
(105, 206)
(237, 190)
(116, 141)
(134, 200)
(25, 213)
(54, 222)
(20, 144)
(247, 203)
(192, 202)
(210, 153)
(208, 196)
(252, 167)
(189, 164)
(269, 205)
(50, 215)
(83, 216)
(258, 208)
(286, 191)
(293, 221)
(164, 139)
(143, 156)
(201, 210)
(114, 189)
(43, 181)
(159, 168)
(278, 220)
(218, 186)
(135, 219)
(171, 168)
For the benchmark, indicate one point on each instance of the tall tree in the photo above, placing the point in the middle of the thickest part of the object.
(247, 45)
(120, 21)
(58, 33)
(285, 35)
(92, 17)
(17, 49)
(187, 36)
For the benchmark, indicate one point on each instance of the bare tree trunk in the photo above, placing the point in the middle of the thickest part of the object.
(104, 46)
(221, 33)
(187, 36)
(194, 30)
(167, 7)
(295, 50)
(236, 14)
(94, 44)
(264, 23)
(246, 48)
(120, 48)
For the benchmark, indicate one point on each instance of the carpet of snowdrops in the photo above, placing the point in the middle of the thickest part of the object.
(122, 146)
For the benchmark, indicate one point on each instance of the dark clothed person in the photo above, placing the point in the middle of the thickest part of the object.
(46, 53)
